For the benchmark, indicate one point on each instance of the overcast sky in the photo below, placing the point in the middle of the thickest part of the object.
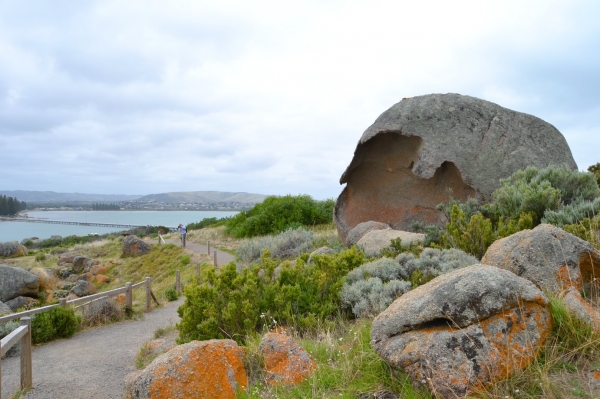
(141, 97)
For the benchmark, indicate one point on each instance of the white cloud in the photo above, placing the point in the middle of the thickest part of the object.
(143, 97)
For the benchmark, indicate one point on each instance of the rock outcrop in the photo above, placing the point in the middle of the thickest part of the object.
(199, 369)
(12, 249)
(133, 245)
(463, 330)
(415, 151)
(557, 262)
(16, 282)
(363, 228)
(375, 241)
(286, 362)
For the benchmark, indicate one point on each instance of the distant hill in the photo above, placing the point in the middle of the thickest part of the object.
(51, 196)
(205, 197)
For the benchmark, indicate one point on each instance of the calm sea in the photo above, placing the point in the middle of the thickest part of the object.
(11, 231)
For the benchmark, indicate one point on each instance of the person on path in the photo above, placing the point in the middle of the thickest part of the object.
(182, 233)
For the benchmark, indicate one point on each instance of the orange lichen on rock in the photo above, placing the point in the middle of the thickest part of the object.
(102, 279)
(285, 361)
(568, 280)
(199, 369)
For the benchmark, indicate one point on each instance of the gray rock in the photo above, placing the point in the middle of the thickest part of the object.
(415, 151)
(20, 302)
(68, 257)
(133, 245)
(548, 256)
(83, 288)
(363, 228)
(80, 263)
(5, 309)
(320, 251)
(13, 248)
(56, 237)
(464, 329)
(375, 241)
(16, 282)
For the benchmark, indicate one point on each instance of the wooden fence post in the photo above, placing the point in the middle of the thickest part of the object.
(62, 301)
(198, 269)
(26, 377)
(128, 299)
(178, 282)
(215, 258)
(208, 245)
(148, 298)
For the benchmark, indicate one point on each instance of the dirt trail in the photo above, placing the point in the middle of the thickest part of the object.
(93, 363)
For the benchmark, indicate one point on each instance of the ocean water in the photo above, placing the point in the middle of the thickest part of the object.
(11, 231)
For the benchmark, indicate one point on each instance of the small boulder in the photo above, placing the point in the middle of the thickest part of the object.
(363, 228)
(80, 263)
(199, 369)
(557, 262)
(89, 277)
(83, 288)
(5, 309)
(12, 249)
(320, 251)
(286, 362)
(464, 330)
(20, 302)
(375, 241)
(102, 279)
(16, 282)
(98, 269)
(133, 245)
(68, 257)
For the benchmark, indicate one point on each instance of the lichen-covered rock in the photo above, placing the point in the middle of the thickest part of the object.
(80, 263)
(406, 161)
(83, 288)
(67, 257)
(5, 309)
(133, 245)
(16, 282)
(102, 279)
(464, 330)
(320, 251)
(20, 302)
(286, 362)
(98, 269)
(355, 234)
(555, 261)
(12, 249)
(375, 241)
(199, 369)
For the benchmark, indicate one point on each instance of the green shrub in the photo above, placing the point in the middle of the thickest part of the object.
(208, 222)
(171, 294)
(40, 257)
(228, 303)
(59, 322)
(185, 260)
(372, 287)
(595, 169)
(288, 244)
(277, 214)
(573, 213)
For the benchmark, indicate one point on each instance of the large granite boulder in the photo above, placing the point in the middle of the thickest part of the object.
(16, 282)
(406, 162)
(463, 330)
(133, 245)
(375, 241)
(19, 302)
(557, 262)
(286, 362)
(199, 369)
(83, 288)
(80, 263)
(13, 248)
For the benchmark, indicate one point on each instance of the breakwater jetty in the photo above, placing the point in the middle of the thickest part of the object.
(115, 225)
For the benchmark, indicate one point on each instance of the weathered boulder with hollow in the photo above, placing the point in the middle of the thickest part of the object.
(16, 282)
(133, 245)
(376, 241)
(199, 369)
(286, 362)
(557, 262)
(463, 330)
(415, 151)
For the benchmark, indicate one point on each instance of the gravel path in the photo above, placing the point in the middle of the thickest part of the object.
(93, 363)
